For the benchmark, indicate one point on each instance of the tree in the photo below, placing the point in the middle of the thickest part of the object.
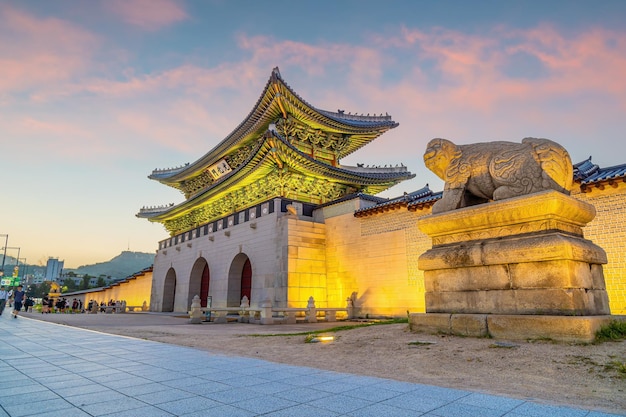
(40, 290)
(101, 282)
(69, 285)
(86, 279)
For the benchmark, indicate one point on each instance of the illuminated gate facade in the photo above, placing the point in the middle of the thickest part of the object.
(251, 221)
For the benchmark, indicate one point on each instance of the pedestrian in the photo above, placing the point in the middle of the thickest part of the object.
(4, 296)
(28, 305)
(18, 300)
(44, 305)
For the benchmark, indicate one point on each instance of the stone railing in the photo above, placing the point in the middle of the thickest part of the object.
(266, 313)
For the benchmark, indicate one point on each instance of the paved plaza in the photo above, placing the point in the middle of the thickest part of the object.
(54, 370)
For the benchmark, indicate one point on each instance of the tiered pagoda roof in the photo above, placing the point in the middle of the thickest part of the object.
(284, 148)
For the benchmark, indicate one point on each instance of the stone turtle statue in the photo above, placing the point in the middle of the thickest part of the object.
(481, 172)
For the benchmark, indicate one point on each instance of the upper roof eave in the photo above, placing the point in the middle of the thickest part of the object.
(383, 179)
(266, 110)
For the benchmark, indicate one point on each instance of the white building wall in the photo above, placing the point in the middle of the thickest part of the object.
(263, 239)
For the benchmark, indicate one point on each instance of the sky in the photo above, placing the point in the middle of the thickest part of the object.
(94, 95)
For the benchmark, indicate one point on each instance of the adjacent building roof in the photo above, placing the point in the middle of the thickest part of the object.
(589, 174)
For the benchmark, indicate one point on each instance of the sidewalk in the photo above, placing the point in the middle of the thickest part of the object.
(51, 370)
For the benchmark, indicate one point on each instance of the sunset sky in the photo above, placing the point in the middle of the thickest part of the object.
(94, 95)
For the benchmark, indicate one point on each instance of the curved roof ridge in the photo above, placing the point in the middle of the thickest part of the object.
(584, 169)
(402, 172)
(265, 106)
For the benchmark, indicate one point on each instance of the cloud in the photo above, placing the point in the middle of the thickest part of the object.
(149, 15)
(37, 52)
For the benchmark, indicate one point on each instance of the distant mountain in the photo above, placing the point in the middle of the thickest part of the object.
(123, 265)
(10, 262)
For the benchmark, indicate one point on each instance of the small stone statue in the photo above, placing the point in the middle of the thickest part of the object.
(481, 172)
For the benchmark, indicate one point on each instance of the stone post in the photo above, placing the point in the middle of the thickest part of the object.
(266, 312)
(311, 315)
(195, 315)
(350, 301)
(243, 312)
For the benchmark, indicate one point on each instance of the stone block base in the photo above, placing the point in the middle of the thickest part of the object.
(581, 329)
(522, 256)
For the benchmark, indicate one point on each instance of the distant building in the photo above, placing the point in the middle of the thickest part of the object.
(54, 269)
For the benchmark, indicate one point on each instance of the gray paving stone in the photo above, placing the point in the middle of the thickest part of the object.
(147, 411)
(81, 373)
(372, 393)
(341, 404)
(37, 407)
(264, 404)
(189, 405)
(23, 389)
(303, 410)
(413, 401)
(160, 397)
(104, 395)
(88, 388)
(378, 410)
(144, 388)
(233, 395)
(491, 401)
(464, 410)
(124, 405)
(529, 409)
(223, 411)
(68, 412)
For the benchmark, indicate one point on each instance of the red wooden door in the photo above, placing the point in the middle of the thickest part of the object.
(246, 280)
(204, 286)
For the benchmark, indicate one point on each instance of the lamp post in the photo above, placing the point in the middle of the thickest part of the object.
(18, 254)
(6, 243)
(24, 271)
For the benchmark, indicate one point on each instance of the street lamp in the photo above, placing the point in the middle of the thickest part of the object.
(6, 243)
(18, 255)
(24, 271)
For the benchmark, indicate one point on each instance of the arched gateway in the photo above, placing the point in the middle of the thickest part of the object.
(261, 192)
(169, 290)
(199, 282)
(239, 280)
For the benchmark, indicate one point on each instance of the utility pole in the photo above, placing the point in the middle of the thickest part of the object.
(6, 243)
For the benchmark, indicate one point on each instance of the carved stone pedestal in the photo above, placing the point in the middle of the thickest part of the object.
(511, 268)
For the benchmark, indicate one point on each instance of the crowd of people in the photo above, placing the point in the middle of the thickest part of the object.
(18, 300)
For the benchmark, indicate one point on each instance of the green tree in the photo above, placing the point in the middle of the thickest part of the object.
(101, 282)
(86, 279)
(41, 289)
(69, 285)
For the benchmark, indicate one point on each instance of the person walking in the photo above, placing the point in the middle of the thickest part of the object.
(45, 308)
(18, 300)
(4, 296)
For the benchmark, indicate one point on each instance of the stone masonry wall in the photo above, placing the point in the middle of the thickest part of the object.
(608, 230)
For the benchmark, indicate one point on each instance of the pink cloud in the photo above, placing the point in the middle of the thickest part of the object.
(35, 52)
(472, 68)
(59, 138)
(148, 14)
